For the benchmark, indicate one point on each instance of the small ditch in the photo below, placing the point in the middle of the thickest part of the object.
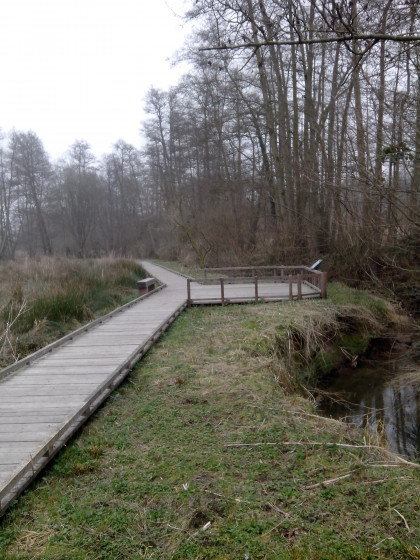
(382, 393)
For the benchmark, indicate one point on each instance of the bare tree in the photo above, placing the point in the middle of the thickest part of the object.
(31, 173)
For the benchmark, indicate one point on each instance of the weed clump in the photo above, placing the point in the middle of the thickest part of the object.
(56, 295)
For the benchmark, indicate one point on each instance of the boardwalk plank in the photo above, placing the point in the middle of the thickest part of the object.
(31, 402)
(47, 390)
(32, 417)
(8, 439)
(23, 447)
(67, 369)
(48, 379)
(32, 427)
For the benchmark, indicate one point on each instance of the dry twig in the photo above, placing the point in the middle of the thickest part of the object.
(326, 483)
(404, 519)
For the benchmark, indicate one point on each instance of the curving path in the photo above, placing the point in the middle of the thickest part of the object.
(42, 404)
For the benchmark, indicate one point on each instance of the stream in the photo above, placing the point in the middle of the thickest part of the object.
(381, 393)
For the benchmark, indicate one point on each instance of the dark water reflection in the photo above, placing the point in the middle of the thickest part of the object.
(381, 393)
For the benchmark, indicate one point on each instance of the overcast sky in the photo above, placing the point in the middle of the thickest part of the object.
(79, 69)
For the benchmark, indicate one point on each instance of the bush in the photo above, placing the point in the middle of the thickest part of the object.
(41, 300)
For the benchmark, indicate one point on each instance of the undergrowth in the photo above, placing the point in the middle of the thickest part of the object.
(43, 300)
(312, 339)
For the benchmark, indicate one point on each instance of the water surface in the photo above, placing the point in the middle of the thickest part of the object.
(380, 393)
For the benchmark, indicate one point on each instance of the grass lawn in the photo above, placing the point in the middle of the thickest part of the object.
(155, 474)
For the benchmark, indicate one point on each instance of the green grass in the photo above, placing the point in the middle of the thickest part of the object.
(152, 475)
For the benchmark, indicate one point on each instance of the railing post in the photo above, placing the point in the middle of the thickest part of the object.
(290, 287)
(324, 285)
(299, 286)
(222, 290)
(256, 288)
(188, 292)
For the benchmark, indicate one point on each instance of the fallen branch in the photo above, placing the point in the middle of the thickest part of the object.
(329, 482)
(404, 519)
(376, 547)
(272, 529)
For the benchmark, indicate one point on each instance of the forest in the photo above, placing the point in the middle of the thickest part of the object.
(295, 135)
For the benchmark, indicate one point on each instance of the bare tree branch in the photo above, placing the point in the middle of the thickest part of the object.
(375, 37)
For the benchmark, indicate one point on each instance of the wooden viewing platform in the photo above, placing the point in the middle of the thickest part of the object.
(258, 284)
(46, 397)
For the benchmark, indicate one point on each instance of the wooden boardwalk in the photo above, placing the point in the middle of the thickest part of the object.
(44, 402)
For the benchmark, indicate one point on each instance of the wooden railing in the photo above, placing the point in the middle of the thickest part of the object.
(281, 273)
(293, 275)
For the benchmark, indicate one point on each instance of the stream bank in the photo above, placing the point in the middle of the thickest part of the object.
(381, 394)
(359, 357)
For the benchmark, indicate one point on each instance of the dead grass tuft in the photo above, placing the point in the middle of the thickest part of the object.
(32, 540)
(41, 300)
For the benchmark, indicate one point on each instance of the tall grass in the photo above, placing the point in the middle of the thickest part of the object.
(42, 300)
(313, 338)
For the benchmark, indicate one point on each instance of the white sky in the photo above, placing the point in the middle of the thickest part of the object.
(79, 69)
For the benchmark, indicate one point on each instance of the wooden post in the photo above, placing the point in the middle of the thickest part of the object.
(222, 290)
(323, 284)
(290, 287)
(205, 275)
(256, 289)
(189, 292)
(299, 286)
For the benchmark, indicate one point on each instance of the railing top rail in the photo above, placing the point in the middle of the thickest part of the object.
(248, 279)
(235, 279)
(312, 270)
(273, 267)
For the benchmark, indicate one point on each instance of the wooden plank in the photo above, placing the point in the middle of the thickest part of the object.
(32, 427)
(31, 418)
(48, 390)
(106, 361)
(12, 458)
(111, 339)
(23, 447)
(93, 352)
(30, 402)
(47, 379)
(6, 470)
(22, 436)
(78, 369)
